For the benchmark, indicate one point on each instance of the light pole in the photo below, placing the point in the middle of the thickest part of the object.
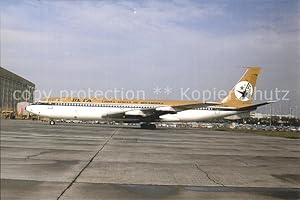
(270, 115)
(291, 115)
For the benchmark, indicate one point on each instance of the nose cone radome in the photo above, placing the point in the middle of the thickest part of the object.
(28, 108)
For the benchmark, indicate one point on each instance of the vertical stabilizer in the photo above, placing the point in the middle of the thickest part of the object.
(241, 94)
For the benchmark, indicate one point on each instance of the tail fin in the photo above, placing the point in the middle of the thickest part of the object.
(242, 93)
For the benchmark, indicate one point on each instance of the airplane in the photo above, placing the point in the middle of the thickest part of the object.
(147, 112)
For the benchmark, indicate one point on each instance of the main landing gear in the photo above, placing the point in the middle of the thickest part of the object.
(51, 122)
(148, 126)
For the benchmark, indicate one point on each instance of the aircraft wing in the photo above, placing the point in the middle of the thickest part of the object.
(194, 105)
(154, 113)
(117, 115)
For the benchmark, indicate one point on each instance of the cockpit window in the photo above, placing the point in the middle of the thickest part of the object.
(41, 103)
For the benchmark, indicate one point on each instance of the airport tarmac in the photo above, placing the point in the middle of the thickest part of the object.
(84, 161)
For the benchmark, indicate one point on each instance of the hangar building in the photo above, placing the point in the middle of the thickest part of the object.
(13, 90)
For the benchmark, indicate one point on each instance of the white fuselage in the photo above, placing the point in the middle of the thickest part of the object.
(93, 111)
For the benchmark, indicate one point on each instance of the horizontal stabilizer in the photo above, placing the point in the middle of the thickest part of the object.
(254, 107)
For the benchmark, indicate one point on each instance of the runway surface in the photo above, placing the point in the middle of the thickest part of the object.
(83, 161)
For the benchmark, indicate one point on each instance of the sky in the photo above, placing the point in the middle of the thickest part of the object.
(143, 45)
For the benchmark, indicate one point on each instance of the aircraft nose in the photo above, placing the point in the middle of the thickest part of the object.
(28, 108)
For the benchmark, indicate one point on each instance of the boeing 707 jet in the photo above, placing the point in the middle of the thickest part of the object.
(147, 112)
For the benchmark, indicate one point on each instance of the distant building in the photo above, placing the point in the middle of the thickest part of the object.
(261, 115)
(14, 89)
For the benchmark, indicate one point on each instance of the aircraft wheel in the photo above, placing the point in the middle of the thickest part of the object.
(148, 126)
(152, 126)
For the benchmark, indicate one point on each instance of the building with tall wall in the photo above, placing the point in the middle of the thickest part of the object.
(13, 90)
